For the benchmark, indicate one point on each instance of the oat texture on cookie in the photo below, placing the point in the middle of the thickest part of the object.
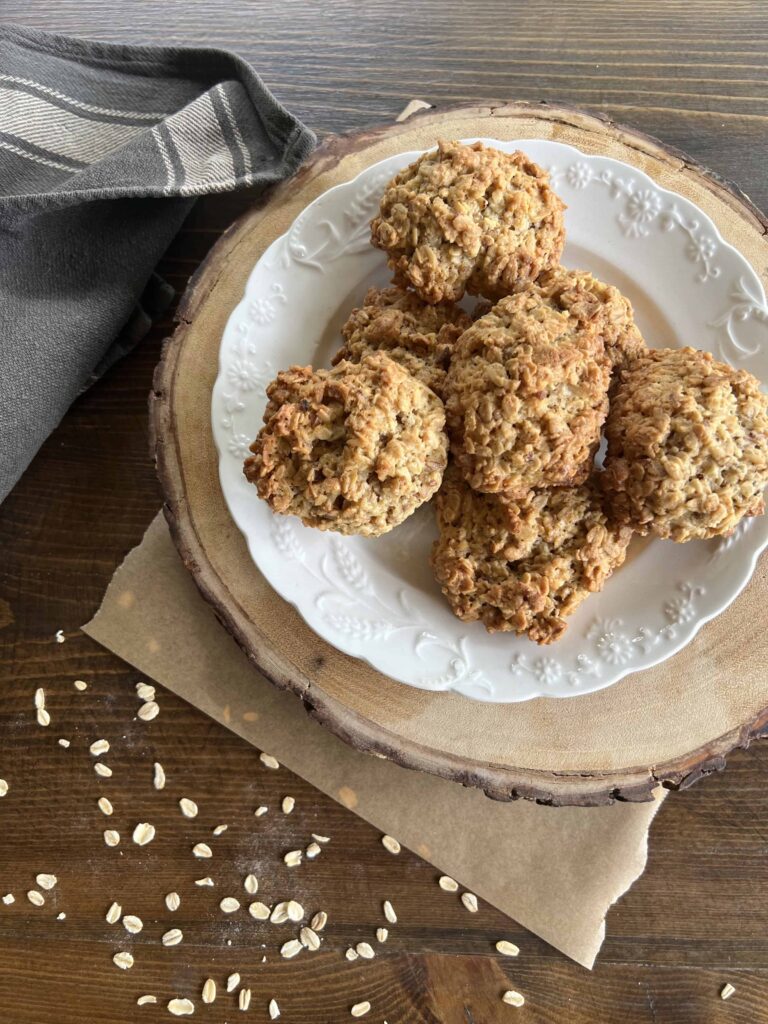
(418, 336)
(526, 396)
(687, 445)
(525, 565)
(592, 302)
(354, 449)
(469, 218)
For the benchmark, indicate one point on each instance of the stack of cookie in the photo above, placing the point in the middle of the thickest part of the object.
(523, 390)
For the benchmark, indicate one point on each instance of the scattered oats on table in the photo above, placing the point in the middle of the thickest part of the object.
(202, 850)
(209, 991)
(390, 844)
(320, 839)
(260, 811)
(470, 901)
(319, 921)
(81, 685)
(229, 905)
(288, 804)
(43, 718)
(291, 948)
(64, 743)
(244, 998)
(309, 938)
(259, 911)
(268, 761)
(274, 1009)
(507, 948)
(59, 636)
(46, 881)
(123, 960)
(294, 910)
(158, 779)
(181, 1007)
(105, 805)
(143, 833)
(512, 998)
(146, 1000)
(172, 937)
(39, 698)
(8, 899)
(365, 950)
(132, 924)
(382, 934)
(727, 990)
(61, 916)
(99, 747)
(448, 884)
(114, 913)
(145, 692)
(111, 837)
(188, 807)
(3, 787)
(233, 981)
(173, 901)
(389, 912)
(35, 898)
(360, 1009)
(312, 851)
(204, 881)
(351, 954)
(148, 711)
(103, 770)
(220, 830)
(292, 859)
(251, 884)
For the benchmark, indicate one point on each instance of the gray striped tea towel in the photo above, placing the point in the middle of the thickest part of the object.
(102, 151)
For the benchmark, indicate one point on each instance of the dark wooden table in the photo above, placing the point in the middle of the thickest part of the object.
(693, 74)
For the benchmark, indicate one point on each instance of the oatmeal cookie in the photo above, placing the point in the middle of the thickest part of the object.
(355, 449)
(416, 335)
(526, 396)
(687, 445)
(469, 218)
(589, 300)
(524, 565)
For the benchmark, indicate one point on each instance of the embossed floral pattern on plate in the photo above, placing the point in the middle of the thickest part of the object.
(376, 599)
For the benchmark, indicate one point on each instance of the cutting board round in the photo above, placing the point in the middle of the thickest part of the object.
(669, 725)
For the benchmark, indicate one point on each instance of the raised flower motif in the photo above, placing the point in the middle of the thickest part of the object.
(244, 375)
(239, 445)
(547, 671)
(613, 646)
(683, 609)
(579, 174)
(702, 249)
(643, 206)
(262, 311)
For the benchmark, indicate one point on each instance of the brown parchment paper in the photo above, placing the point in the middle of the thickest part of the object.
(555, 870)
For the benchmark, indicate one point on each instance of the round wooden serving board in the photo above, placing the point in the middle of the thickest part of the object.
(669, 725)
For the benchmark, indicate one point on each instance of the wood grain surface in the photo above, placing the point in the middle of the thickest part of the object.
(691, 73)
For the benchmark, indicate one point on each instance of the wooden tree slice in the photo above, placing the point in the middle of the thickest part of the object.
(669, 725)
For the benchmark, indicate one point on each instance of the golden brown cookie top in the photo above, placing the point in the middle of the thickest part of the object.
(526, 396)
(687, 445)
(355, 449)
(523, 565)
(469, 218)
(592, 301)
(418, 336)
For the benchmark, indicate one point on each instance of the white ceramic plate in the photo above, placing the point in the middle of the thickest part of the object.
(376, 599)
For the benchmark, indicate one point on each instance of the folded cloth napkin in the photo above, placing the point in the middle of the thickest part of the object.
(102, 151)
